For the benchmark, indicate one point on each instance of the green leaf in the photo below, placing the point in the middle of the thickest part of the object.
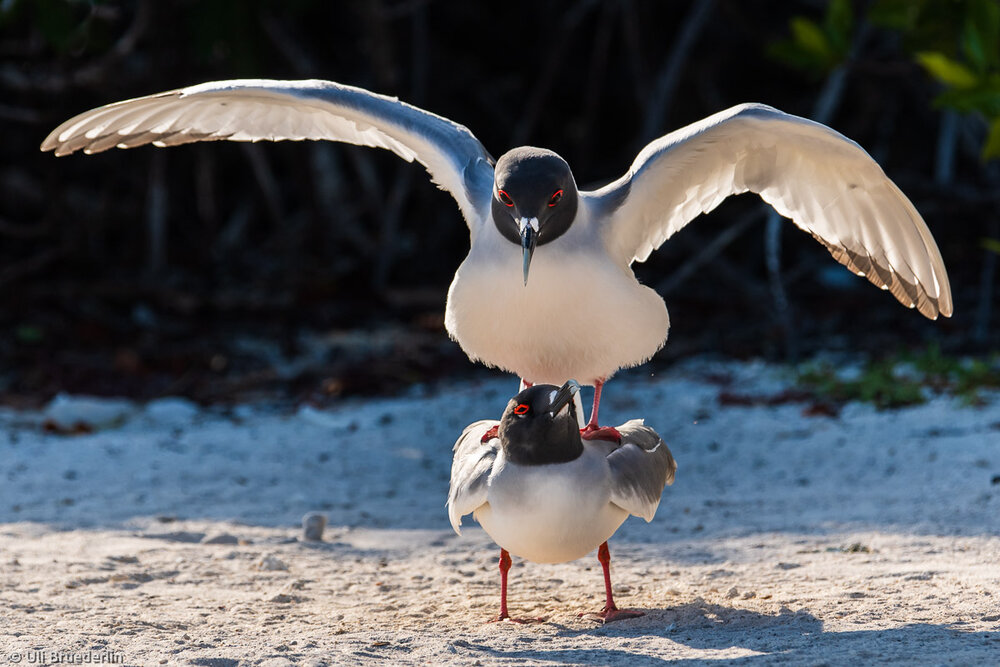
(983, 99)
(981, 34)
(839, 22)
(792, 55)
(991, 150)
(895, 14)
(972, 46)
(56, 21)
(811, 38)
(29, 333)
(993, 245)
(946, 70)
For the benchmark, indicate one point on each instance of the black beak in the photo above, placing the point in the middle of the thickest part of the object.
(529, 237)
(563, 396)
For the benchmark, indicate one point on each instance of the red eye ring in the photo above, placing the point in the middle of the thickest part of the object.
(522, 409)
(554, 199)
(505, 198)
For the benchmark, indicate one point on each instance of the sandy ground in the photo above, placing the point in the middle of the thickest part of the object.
(170, 536)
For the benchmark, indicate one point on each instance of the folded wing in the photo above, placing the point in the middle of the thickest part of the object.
(640, 468)
(268, 110)
(827, 184)
(470, 471)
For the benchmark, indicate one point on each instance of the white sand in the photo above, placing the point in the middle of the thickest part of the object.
(870, 538)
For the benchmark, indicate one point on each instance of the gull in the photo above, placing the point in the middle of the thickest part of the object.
(545, 494)
(587, 314)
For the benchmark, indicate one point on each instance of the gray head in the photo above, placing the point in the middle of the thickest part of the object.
(540, 426)
(534, 198)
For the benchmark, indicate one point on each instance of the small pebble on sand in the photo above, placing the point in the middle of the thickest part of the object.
(270, 563)
(313, 524)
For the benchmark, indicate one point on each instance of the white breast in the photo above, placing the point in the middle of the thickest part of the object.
(580, 316)
(551, 513)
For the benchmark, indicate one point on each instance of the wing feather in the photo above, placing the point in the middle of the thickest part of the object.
(827, 184)
(269, 110)
(640, 468)
(470, 471)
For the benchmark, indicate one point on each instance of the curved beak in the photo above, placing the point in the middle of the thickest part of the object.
(563, 396)
(528, 228)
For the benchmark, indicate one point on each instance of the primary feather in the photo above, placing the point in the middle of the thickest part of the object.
(827, 184)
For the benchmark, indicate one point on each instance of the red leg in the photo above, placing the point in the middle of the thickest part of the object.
(504, 568)
(593, 431)
(611, 612)
(504, 615)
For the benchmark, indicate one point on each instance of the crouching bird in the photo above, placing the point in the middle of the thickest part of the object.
(547, 495)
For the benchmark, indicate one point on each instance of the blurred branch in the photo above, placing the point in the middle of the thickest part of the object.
(264, 174)
(30, 266)
(405, 8)
(18, 231)
(389, 234)
(826, 105)
(708, 252)
(334, 204)
(402, 188)
(738, 279)
(944, 164)
(670, 74)
(597, 75)
(234, 232)
(525, 127)
(631, 41)
(987, 280)
(205, 188)
(157, 204)
(19, 114)
(988, 272)
(288, 46)
(94, 74)
(380, 43)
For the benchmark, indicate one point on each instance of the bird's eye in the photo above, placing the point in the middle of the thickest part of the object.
(504, 198)
(522, 409)
(554, 199)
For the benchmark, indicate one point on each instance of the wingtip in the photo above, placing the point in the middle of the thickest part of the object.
(456, 521)
(53, 144)
(941, 310)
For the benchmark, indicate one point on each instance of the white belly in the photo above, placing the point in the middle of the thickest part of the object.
(551, 513)
(580, 316)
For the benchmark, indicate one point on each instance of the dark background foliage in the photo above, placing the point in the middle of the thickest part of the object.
(222, 270)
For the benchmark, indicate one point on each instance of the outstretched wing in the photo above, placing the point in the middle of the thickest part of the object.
(268, 110)
(640, 468)
(827, 184)
(470, 471)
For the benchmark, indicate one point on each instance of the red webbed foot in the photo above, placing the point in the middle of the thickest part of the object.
(612, 614)
(615, 614)
(594, 432)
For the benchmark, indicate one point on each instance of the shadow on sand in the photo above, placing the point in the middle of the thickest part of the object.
(711, 627)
